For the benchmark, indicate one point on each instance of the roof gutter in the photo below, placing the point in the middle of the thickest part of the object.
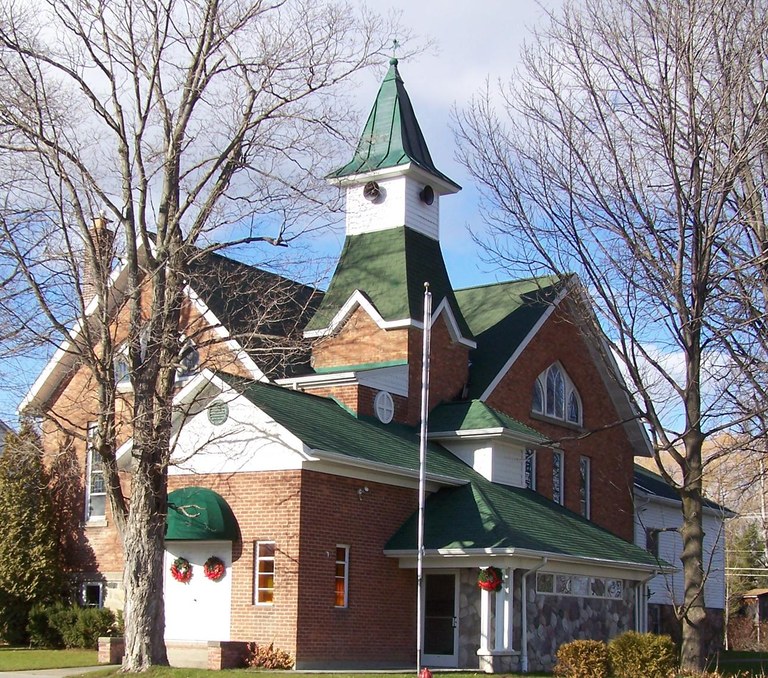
(524, 615)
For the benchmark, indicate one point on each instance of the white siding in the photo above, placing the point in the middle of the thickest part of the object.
(499, 462)
(247, 441)
(393, 379)
(666, 589)
(400, 206)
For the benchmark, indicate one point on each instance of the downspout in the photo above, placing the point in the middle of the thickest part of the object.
(524, 615)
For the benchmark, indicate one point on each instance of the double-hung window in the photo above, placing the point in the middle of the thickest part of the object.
(95, 485)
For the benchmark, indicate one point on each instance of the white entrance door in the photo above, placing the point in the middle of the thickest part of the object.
(200, 609)
(441, 620)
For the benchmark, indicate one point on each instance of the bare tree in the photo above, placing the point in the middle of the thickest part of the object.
(623, 153)
(180, 125)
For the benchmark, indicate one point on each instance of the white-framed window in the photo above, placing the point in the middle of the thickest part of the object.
(189, 358)
(558, 476)
(579, 585)
(122, 367)
(555, 396)
(92, 594)
(342, 576)
(585, 489)
(95, 484)
(264, 574)
(530, 469)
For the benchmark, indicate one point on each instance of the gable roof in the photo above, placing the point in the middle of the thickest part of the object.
(389, 268)
(654, 485)
(502, 316)
(475, 513)
(391, 136)
(234, 293)
(259, 309)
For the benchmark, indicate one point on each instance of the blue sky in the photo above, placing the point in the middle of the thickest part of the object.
(471, 42)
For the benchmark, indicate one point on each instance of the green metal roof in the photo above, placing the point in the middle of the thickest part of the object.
(477, 514)
(475, 415)
(500, 316)
(392, 136)
(199, 514)
(390, 267)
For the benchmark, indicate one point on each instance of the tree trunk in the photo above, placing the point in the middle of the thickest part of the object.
(144, 546)
(693, 617)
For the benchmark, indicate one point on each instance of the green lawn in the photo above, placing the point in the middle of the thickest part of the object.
(23, 659)
(166, 672)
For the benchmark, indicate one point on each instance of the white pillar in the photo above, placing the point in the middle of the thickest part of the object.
(509, 607)
(485, 620)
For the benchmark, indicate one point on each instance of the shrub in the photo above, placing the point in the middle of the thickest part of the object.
(267, 657)
(583, 659)
(65, 626)
(643, 654)
(41, 632)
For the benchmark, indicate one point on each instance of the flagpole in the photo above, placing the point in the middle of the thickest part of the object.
(422, 473)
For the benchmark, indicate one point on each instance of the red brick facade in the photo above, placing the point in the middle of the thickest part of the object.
(610, 452)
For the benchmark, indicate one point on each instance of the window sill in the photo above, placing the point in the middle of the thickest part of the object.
(557, 422)
(95, 522)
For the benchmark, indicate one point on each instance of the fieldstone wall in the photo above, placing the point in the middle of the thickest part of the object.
(554, 620)
(469, 619)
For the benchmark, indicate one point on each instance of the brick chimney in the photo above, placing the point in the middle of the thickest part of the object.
(102, 239)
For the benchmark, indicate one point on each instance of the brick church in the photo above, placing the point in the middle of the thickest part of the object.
(302, 477)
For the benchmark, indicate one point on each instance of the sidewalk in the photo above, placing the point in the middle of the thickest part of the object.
(51, 673)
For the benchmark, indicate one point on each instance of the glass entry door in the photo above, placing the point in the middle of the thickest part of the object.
(441, 624)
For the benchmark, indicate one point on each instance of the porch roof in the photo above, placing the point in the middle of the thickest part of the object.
(488, 516)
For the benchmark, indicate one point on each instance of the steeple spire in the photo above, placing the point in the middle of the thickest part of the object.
(392, 136)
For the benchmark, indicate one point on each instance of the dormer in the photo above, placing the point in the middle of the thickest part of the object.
(498, 447)
(391, 180)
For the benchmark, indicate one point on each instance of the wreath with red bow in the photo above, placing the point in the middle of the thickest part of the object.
(489, 578)
(181, 570)
(214, 568)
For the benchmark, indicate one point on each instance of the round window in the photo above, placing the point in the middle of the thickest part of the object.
(384, 407)
(218, 411)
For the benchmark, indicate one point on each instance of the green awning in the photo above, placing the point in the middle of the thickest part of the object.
(199, 514)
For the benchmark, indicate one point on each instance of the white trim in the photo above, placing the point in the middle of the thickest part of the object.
(441, 186)
(453, 325)
(346, 575)
(357, 298)
(524, 343)
(221, 331)
(363, 377)
(473, 556)
(500, 432)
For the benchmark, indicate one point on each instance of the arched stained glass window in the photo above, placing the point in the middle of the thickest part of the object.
(554, 395)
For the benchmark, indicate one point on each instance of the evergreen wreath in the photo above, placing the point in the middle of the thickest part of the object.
(214, 568)
(490, 578)
(181, 570)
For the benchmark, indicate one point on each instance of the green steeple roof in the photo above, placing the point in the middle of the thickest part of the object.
(392, 136)
(390, 267)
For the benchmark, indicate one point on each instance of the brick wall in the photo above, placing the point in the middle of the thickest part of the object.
(379, 622)
(610, 452)
(361, 341)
